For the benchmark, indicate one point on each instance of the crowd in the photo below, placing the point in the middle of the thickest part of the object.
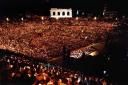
(46, 38)
(21, 70)
(93, 50)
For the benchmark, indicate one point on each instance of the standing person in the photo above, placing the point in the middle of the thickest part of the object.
(66, 58)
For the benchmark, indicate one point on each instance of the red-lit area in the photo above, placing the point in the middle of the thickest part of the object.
(43, 41)
(47, 37)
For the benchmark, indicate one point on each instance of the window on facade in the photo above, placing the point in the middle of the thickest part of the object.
(63, 13)
(68, 13)
(54, 13)
(58, 13)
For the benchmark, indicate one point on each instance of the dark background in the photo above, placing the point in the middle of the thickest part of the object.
(19, 6)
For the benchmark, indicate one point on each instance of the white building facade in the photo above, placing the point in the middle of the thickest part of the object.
(60, 13)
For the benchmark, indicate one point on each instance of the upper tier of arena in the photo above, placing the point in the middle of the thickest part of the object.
(46, 38)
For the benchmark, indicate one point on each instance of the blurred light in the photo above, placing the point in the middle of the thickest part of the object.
(116, 19)
(13, 74)
(11, 66)
(95, 18)
(94, 53)
(39, 84)
(104, 72)
(82, 13)
(77, 18)
(8, 60)
(22, 19)
(85, 78)
(123, 17)
(27, 67)
(103, 13)
(57, 18)
(7, 19)
(108, 58)
(77, 12)
(35, 74)
(86, 37)
(42, 18)
(82, 31)
(29, 75)
(79, 79)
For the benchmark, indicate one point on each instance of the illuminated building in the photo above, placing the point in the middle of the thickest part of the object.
(60, 13)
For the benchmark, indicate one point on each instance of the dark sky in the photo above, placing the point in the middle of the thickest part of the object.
(35, 3)
(21, 5)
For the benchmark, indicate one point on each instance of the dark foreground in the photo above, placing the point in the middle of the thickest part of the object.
(17, 69)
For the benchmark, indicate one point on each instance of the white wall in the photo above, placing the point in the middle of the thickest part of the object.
(57, 16)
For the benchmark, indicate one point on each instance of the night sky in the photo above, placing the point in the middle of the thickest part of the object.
(16, 6)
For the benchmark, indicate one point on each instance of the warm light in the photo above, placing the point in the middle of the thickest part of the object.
(93, 53)
(7, 19)
(116, 18)
(86, 37)
(11, 66)
(57, 18)
(42, 18)
(82, 31)
(103, 13)
(39, 84)
(95, 18)
(8, 60)
(85, 78)
(78, 80)
(77, 18)
(22, 19)
(27, 67)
